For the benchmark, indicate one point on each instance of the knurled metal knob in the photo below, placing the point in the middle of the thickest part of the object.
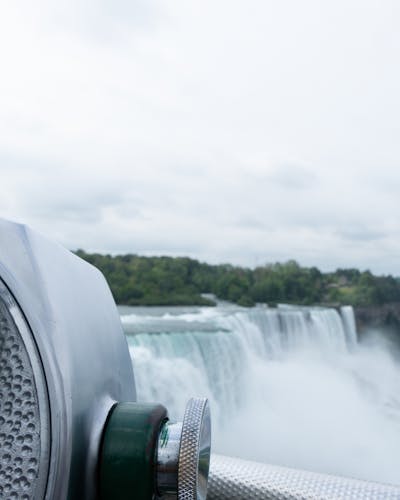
(184, 454)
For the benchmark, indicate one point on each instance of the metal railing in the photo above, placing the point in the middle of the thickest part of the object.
(237, 479)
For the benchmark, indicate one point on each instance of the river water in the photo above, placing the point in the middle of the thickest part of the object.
(290, 386)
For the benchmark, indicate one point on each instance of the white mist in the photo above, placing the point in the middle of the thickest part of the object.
(289, 386)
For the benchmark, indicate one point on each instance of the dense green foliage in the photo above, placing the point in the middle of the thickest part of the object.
(136, 280)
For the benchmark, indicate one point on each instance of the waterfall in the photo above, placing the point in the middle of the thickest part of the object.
(288, 385)
(349, 324)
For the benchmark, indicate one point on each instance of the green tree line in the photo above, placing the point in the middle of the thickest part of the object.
(138, 280)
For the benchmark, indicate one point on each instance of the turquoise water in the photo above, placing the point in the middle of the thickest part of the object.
(291, 386)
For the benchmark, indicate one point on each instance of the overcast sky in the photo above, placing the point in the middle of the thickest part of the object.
(232, 131)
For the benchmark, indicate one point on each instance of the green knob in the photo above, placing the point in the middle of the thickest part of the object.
(128, 454)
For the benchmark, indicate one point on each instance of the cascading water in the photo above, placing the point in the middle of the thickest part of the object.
(290, 386)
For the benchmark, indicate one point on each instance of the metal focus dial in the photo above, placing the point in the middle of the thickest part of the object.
(194, 453)
(183, 456)
(145, 455)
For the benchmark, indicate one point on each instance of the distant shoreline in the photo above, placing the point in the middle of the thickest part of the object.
(181, 281)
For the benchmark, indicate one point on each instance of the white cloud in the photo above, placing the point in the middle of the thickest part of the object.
(230, 131)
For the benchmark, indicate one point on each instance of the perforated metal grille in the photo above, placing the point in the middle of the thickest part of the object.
(20, 425)
(236, 479)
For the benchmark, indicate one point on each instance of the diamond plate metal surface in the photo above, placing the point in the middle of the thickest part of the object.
(188, 469)
(236, 479)
(22, 445)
